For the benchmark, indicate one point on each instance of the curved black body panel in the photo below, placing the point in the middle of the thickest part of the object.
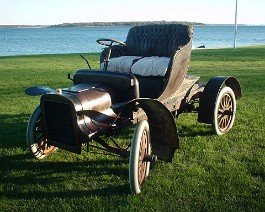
(163, 130)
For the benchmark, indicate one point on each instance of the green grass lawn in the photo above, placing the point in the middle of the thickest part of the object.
(208, 172)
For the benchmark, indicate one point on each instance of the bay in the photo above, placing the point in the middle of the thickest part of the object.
(63, 40)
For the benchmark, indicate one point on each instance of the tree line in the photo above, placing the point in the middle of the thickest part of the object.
(102, 24)
(130, 23)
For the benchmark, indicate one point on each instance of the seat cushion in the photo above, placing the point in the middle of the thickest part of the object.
(121, 64)
(151, 66)
(143, 66)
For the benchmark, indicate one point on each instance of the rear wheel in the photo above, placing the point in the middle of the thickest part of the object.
(36, 141)
(224, 111)
(138, 168)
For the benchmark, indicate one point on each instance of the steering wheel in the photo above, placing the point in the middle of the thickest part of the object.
(109, 43)
(103, 41)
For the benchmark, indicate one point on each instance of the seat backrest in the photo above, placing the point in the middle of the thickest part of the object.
(157, 40)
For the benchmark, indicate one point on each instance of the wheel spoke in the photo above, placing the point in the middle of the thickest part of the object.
(40, 142)
(142, 152)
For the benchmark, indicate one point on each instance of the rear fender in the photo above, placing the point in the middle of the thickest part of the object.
(210, 94)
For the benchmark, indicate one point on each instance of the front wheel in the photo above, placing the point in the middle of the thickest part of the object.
(138, 167)
(36, 141)
(224, 111)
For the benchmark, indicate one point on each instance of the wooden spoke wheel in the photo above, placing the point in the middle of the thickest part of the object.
(225, 111)
(138, 167)
(36, 141)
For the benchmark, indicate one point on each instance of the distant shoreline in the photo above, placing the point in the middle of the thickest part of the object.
(102, 24)
(23, 26)
(119, 24)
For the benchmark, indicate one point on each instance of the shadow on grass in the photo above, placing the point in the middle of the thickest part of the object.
(195, 130)
(13, 130)
(37, 195)
(22, 177)
(30, 179)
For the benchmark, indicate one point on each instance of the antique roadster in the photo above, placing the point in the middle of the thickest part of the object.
(142, 81)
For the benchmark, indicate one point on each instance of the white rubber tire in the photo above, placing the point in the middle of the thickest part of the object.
(138, 176)
(224, 111)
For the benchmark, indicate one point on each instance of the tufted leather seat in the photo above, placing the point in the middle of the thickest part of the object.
(152, 40)
(157, 40)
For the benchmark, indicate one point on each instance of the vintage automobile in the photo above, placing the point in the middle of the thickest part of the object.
(142, 81)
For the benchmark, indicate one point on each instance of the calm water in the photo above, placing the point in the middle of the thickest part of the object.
(27, 41)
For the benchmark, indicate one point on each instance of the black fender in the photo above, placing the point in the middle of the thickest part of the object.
(210, 94)
(39, 90)
(163, 129)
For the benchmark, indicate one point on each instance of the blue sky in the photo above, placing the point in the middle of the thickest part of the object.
(47, 12)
